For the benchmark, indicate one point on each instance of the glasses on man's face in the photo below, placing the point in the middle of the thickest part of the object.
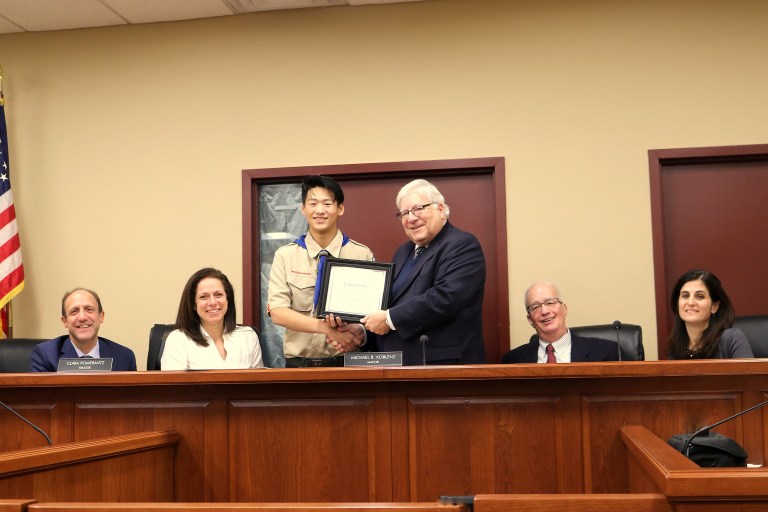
(417, 210)
(536, 306)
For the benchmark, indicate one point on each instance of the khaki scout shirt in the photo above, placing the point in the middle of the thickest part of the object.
(292, 285)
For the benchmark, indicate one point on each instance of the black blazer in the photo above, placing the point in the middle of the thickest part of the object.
(442, 299)
(583, 350)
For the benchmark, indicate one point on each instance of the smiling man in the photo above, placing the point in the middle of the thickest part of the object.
(554, 343)
(435, 313)
(82, 315)
(291, 300)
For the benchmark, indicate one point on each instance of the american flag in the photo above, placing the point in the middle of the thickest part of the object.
(11, 267)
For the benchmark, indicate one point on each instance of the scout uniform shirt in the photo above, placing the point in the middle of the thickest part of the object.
(292, 284)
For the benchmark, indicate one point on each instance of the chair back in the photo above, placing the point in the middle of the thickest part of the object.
(15, 354)
(159, 332)
(755, 328)
(157, 335)
(630, 336)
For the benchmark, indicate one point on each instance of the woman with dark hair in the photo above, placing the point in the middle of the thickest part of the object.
(206, 336)
(703, 319)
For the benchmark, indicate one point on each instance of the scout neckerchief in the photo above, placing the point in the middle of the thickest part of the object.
(301, 242)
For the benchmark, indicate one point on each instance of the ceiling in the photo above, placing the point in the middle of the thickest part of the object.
(43, 15)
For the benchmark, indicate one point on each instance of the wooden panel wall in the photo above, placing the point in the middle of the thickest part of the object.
(396, 435)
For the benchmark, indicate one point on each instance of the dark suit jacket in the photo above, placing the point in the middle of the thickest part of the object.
(442, 299)
(583, 350)
(45, 356)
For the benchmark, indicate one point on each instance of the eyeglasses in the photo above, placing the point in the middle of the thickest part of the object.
(416, 210)
(550, 303)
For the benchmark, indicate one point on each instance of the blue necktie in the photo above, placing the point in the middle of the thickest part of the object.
(320, 268)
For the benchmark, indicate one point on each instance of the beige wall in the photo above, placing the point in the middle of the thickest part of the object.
(127, 143)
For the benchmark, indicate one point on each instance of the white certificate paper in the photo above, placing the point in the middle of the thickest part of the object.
(354, 290)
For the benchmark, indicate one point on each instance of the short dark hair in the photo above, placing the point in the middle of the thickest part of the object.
(325, 182)
(722, 320)
(70, 292)
(188, 321)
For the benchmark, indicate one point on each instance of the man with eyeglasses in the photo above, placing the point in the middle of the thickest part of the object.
(435, 310)
(554, 343)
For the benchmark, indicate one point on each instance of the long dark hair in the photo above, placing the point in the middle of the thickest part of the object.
(710, 338)
(188, 321)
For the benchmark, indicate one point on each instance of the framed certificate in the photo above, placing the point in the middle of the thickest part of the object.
(351, 289)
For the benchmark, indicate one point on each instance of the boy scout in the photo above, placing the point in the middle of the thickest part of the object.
(312, 341)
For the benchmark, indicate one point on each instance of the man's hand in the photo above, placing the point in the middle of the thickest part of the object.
(342, 336)
(357, 330)
(376, 322)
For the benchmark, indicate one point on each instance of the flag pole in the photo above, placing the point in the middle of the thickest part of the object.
(10, 319)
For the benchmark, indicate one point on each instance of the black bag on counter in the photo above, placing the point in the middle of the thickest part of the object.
(711, 450)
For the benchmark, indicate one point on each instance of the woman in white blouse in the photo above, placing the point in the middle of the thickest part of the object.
(207, 337)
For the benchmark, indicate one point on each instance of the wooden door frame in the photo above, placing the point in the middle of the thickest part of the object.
(253, 178)
(664, 159)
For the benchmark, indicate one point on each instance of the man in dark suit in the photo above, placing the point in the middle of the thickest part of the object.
(435, 309)
(555, 343)
(82, 315)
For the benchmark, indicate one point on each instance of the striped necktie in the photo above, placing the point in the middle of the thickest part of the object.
(551, 354)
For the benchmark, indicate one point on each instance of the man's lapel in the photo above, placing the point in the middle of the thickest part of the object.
(579, 350)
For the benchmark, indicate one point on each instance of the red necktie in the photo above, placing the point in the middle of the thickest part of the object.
(551, 354)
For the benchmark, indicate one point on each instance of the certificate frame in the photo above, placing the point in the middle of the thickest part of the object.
(352, 289)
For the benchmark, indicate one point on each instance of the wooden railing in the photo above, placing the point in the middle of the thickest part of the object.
(655, 464)
(134, 467)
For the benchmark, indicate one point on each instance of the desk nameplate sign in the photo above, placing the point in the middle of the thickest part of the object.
(85, 364)
(373, 358)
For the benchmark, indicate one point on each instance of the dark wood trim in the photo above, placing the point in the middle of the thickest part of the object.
(658, 161)
(659, 254)
(62, 385)
(572, 502)
(15, 505)
(252, 178)
(24, 461)
(249, 507)
(250, 252)
(132, 467)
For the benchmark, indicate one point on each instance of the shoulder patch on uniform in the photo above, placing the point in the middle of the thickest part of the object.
(359, 244)
(287, 245)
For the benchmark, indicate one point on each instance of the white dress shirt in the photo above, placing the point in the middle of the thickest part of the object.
(242, 347)
(562, 349)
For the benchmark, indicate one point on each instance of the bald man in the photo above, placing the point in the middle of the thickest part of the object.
(554, 343)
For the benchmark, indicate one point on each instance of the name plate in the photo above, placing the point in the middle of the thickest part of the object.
(373, 359)
(85, 364)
